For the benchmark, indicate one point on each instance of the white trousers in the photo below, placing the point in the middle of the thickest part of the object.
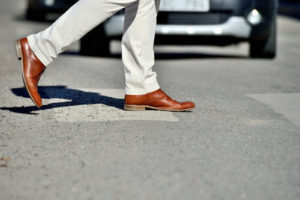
(137, 41)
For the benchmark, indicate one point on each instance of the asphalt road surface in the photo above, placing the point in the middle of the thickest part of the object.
(241, 142)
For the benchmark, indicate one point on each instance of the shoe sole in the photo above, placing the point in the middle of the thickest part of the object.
(144, 107)
(20, 58)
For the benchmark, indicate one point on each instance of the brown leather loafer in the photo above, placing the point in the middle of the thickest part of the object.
(157, 100)
(32, 70)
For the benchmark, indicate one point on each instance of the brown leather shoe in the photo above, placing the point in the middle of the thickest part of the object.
(157, 100)
(32, 69)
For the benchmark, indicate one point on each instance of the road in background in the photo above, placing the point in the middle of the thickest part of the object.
(241, 142)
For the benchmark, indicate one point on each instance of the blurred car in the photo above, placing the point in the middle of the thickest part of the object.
(290, 1)
(290, 8)
(38, 9)
(209, 22)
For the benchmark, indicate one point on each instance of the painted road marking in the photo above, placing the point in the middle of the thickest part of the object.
(96, 105)
(285, 104)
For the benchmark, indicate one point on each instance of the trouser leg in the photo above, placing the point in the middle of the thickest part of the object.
(72, 25)
(137, 47)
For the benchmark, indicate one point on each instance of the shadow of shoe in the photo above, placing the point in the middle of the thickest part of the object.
(73, 97)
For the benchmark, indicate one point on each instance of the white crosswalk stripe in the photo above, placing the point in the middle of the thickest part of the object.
(286, 104)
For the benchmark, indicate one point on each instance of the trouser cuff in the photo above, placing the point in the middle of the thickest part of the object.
(37, 51)
(147, 90)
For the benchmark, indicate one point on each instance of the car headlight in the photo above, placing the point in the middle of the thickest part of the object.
(49, 2)
(254, 17)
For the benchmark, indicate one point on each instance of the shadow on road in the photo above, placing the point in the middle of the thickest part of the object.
(73, 98)
(189, 55)
(171, 55)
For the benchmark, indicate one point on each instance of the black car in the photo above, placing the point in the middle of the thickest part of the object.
(38, 9)
(210, 22)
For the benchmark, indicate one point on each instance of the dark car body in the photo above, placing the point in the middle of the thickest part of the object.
(290, 8)
(38, 9)
(223, 22)
(49, 5)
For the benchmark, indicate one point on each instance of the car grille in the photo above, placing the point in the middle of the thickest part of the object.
(190, 18)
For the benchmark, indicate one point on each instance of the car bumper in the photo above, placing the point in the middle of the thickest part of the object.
(234, 27)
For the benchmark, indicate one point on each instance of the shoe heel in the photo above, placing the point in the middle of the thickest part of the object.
(18, 49)
(134, 107)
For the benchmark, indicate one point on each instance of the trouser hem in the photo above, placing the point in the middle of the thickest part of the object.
(141, 91)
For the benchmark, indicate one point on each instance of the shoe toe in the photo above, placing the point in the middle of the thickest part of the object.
(188, 105)
(32, 90)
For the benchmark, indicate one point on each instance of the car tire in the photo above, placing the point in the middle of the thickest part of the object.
(265, 48)
(35, 15)
(95, 43)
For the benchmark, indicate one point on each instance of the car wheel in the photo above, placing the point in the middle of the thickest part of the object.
(265, 48)
(95, 43)
(36, 15)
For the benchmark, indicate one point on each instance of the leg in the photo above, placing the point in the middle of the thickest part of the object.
(72, 25)
(39, 50)
(142, 89)
(137, 47)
